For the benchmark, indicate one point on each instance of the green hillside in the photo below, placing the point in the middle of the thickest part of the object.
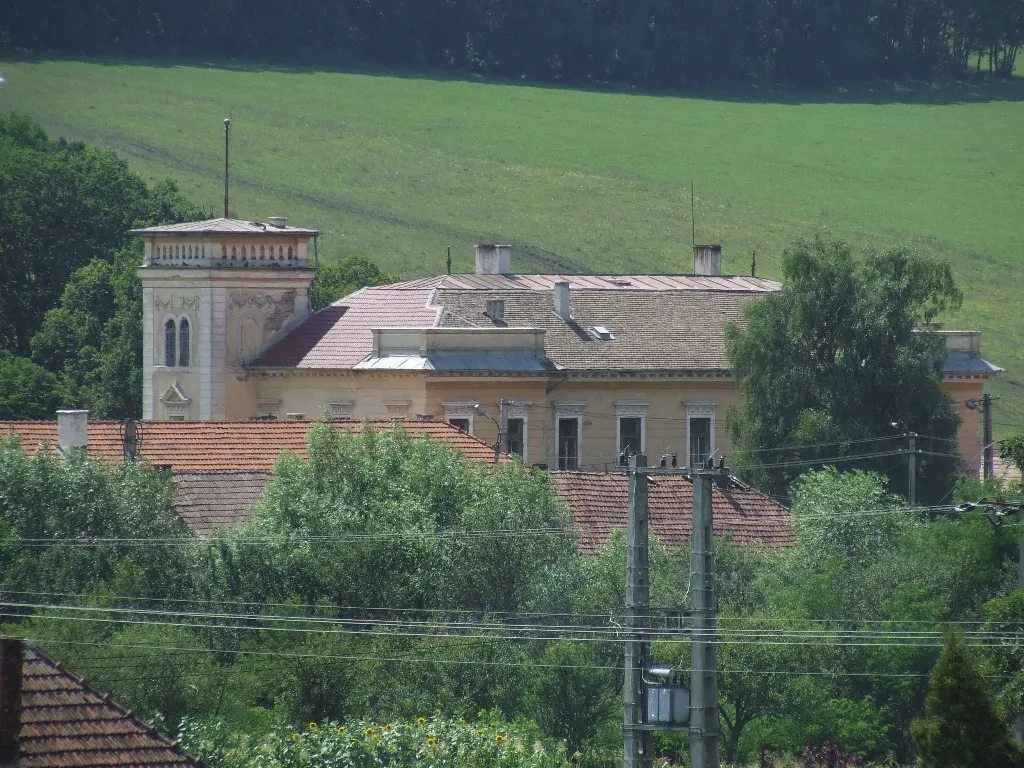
(398, 168)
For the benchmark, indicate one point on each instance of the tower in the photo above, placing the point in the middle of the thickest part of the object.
(214, 294)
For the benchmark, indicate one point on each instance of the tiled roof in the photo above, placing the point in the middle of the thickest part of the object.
(225, 445)
(222, 226)
(594, 282)
(659, 322)
(209, 502)
(67, 723)
(600, 501)
(341, 335)
(652, 330)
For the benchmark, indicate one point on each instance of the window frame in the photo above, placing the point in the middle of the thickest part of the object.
(700, 409)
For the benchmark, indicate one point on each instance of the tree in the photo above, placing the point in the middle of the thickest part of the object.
(341, 277)
(837, 357)
(961, 728)
(28, 391)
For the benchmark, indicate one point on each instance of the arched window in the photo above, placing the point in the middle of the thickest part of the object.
(263, 253)
(243, 251)
(170, 343)
(289, 253)
(271, 249)
(184, 358)
(234, 251)
(223, 251)
(280, 253)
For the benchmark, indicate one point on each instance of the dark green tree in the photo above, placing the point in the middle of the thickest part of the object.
(28, 391)
(838, 356)
(339, 278)
(961, 728)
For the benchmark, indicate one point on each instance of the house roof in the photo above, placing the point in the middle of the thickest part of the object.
(222, 226)
(209, 502)
(65, 722)
(214, 501)
(249, 446)
(599, 503)
(658, 322)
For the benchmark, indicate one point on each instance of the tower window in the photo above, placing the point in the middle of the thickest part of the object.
(280, 253)
(184, 337)
(170, 343)
(289, 253)
(243, 251)
(223, 251)
(263, 253)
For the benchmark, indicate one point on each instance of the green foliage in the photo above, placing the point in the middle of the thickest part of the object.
(429, 742)
(342, 277)
(836, 357)
(566, 41)
(28, 391)
(1012, 449)
(53, 502)
(1006, 660)
(961, 728)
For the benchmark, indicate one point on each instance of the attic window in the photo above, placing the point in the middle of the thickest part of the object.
(602, 333)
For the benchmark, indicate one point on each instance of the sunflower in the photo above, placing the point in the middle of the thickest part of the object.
(313, 726)
(368, 731)
(500, 738)
(431, 741)
(387, 728)
(295, 737)
(341, 729)
(421, 720)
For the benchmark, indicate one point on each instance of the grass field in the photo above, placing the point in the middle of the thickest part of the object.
(399, 167)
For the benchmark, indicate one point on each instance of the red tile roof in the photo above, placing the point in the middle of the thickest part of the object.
(225, 445)
(209, 502)
(341, 335)
(65, 722)
(599, 503)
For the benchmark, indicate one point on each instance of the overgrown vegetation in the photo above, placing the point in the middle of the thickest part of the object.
(386, 579)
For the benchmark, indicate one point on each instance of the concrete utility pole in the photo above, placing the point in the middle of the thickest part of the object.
(704, 725)
(912, 468)
(638, 620)
(988, 468)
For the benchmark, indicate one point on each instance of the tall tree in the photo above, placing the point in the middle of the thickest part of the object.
(961, 728)
(838, 356)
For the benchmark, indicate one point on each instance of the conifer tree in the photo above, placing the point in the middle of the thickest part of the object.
(961, 728)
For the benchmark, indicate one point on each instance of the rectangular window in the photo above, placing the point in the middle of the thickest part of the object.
(569, 443)
(516, 436)
(462, 424)
(631, 437)
(700, 440)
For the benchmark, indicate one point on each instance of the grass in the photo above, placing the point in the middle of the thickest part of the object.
(398, 167)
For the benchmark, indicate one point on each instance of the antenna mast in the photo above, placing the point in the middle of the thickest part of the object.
(227, 133)
(693, 220)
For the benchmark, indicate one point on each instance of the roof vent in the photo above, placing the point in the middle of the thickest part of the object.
(295, 416)
(707, 259)
(602, 333)
(496, 310)
(493, 259)
(278, 222)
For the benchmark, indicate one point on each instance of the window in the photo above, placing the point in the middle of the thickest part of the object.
(184, 348)
(462, 424)
(243, 252)
(170, 343)
(223, 251)
(700, 440)
(263, 253)
(569, 442)
(517, 436)
(631, 437)
(289, 253)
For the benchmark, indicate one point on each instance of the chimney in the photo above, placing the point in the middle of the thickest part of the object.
(493, 259)
(277, 222)
(11, 661)
(496, 310)
(707, 259)
(562, 308)
(72, 430)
